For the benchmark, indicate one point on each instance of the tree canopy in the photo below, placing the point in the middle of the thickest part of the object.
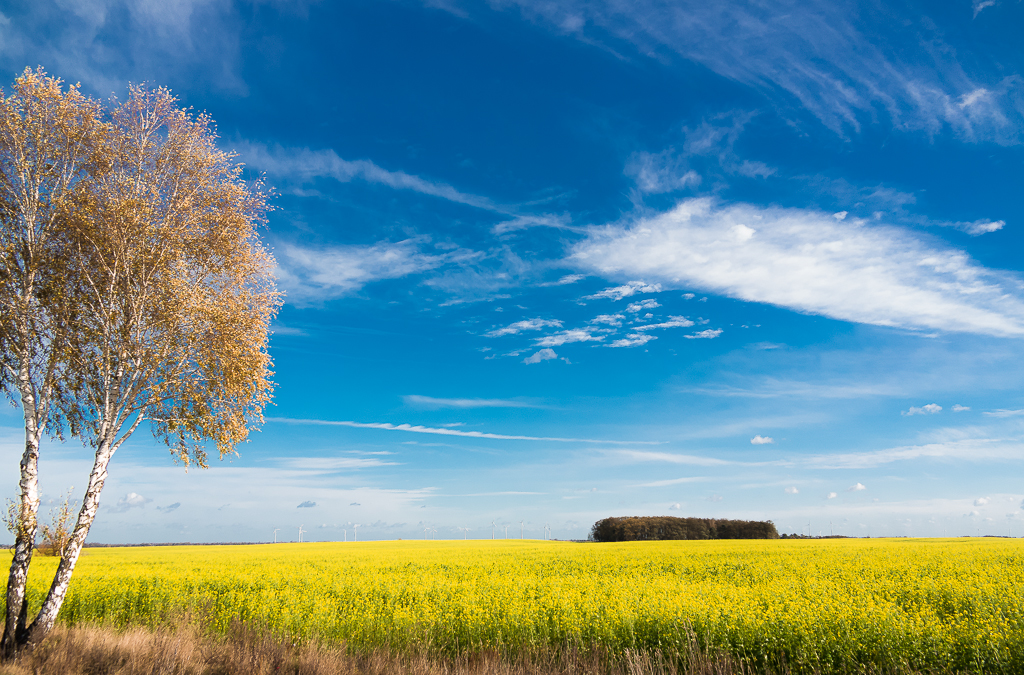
(652, 528)
(135, 290)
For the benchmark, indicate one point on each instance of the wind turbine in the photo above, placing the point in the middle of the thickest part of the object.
(275, 535)
(506, 531)
(492, 530)
(346, 534)
(521, 524)
(425, 531)
(432, 533)
(355, 533)
(300, 533)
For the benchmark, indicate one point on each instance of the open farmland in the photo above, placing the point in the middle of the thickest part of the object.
(828, 605)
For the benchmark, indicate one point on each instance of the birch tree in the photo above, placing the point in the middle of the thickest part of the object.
(49, 142)
(173, 296)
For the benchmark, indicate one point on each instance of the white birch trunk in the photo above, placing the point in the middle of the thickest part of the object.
(62, 579)
(25, 535)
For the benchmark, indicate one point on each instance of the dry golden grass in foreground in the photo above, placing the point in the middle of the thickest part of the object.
(182, 650)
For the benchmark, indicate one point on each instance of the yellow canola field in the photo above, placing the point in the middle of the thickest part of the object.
(949, 605)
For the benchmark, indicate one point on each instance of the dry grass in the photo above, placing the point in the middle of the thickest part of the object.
(182, 650)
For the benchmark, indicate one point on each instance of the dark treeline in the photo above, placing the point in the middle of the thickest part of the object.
(652, 528)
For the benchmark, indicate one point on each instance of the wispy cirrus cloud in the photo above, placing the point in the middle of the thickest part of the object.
(464, 403)
(841, 61)
(304, 165)
(335, 463)
(310, 275)
(808, 261)
(417, 429)
(672, 458)
(1002, 413)
(675, 481)
(969, 449)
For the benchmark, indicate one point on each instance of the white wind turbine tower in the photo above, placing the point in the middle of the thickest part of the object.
(432, 533)
(426, 530)
(506, 531)
(346, 534)
(492, 530)
(355, 533)
(300, 533)
(275, 535)
(521, 524)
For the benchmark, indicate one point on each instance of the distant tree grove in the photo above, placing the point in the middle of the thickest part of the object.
(654, 528)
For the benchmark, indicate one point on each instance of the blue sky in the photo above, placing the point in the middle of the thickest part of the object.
(547, 262)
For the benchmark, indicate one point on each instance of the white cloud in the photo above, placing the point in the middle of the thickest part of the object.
(761, 440)
(523, 222)
(671, 458)
(332, 464)
(841, 215)
(620, 292)
(980, 5)
(807, 261)
(960, 408)
(643, 304)
(970, 449)
(661, 172)
(302, 166)
(791, 491)
(567, 336)
(930, 409)
(609, 319)
(981, 501)
(831, 495)
(431, 402)
(831, 59)
(170, 508)
(705, 334)
(418, 429)
(1003, 413)
(674, 507)
(307, 505)
(542, 355)
(520, 326)
(132, 500)
(674, 481)
(673, 322)
(308, 275)
(715, 498)
(565, 280)
(982, 226)
(856, 487)
(633, 340)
